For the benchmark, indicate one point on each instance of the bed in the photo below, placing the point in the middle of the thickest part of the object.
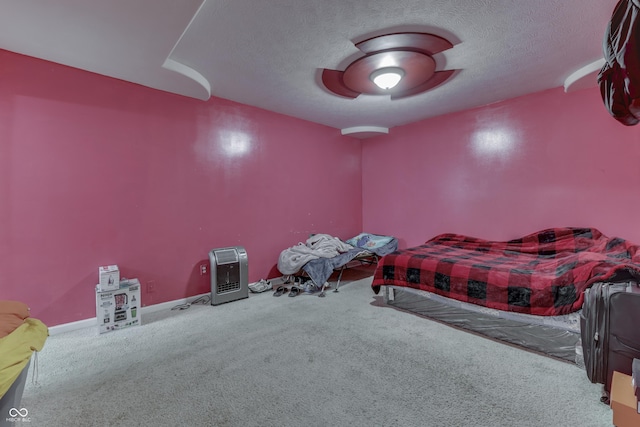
(527, 291)
(323, 254)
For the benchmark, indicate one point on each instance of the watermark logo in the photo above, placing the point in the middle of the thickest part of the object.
(18, 415)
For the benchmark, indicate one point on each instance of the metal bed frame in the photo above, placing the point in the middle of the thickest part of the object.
(364, 258)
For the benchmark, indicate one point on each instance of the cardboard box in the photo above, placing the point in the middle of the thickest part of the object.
(635, 377)
(623, 401)
(109, 278)
(120, 308)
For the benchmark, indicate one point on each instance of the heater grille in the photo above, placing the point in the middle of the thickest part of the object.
(227, 287)
(229, 274)
(226, 256)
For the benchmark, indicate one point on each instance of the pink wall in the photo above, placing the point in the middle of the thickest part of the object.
(96, 171)
(498, 172)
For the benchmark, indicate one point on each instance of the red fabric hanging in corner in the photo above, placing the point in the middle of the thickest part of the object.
(619, 79)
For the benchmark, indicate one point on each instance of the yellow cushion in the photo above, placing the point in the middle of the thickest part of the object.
(16, 349)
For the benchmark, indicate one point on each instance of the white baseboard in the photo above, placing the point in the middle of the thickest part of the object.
(88, 323)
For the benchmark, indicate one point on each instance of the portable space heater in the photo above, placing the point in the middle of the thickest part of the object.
(229, 274)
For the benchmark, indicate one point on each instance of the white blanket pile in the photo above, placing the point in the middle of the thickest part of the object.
(317, 246)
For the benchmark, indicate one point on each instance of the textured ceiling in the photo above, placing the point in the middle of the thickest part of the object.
(270, 53)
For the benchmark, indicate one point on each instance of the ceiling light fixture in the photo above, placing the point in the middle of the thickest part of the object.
(407, 57)
(387, 78)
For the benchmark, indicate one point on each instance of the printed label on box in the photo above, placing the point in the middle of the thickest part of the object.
(118, 309)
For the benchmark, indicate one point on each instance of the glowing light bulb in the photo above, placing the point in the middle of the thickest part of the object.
(387, 78)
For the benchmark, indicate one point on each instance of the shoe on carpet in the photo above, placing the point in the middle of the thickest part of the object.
(260, 286)
(310, 288)
(280, 290)
(295, 291)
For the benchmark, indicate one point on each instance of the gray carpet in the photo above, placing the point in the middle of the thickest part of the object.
(343, 360)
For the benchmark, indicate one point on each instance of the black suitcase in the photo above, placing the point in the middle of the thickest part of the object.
(610, 332)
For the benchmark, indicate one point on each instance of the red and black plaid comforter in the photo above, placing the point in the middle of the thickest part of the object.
(544, 273)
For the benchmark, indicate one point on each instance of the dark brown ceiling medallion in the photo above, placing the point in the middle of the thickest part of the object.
(406, 58)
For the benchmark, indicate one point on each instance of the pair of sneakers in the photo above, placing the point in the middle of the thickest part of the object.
(261, 286)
